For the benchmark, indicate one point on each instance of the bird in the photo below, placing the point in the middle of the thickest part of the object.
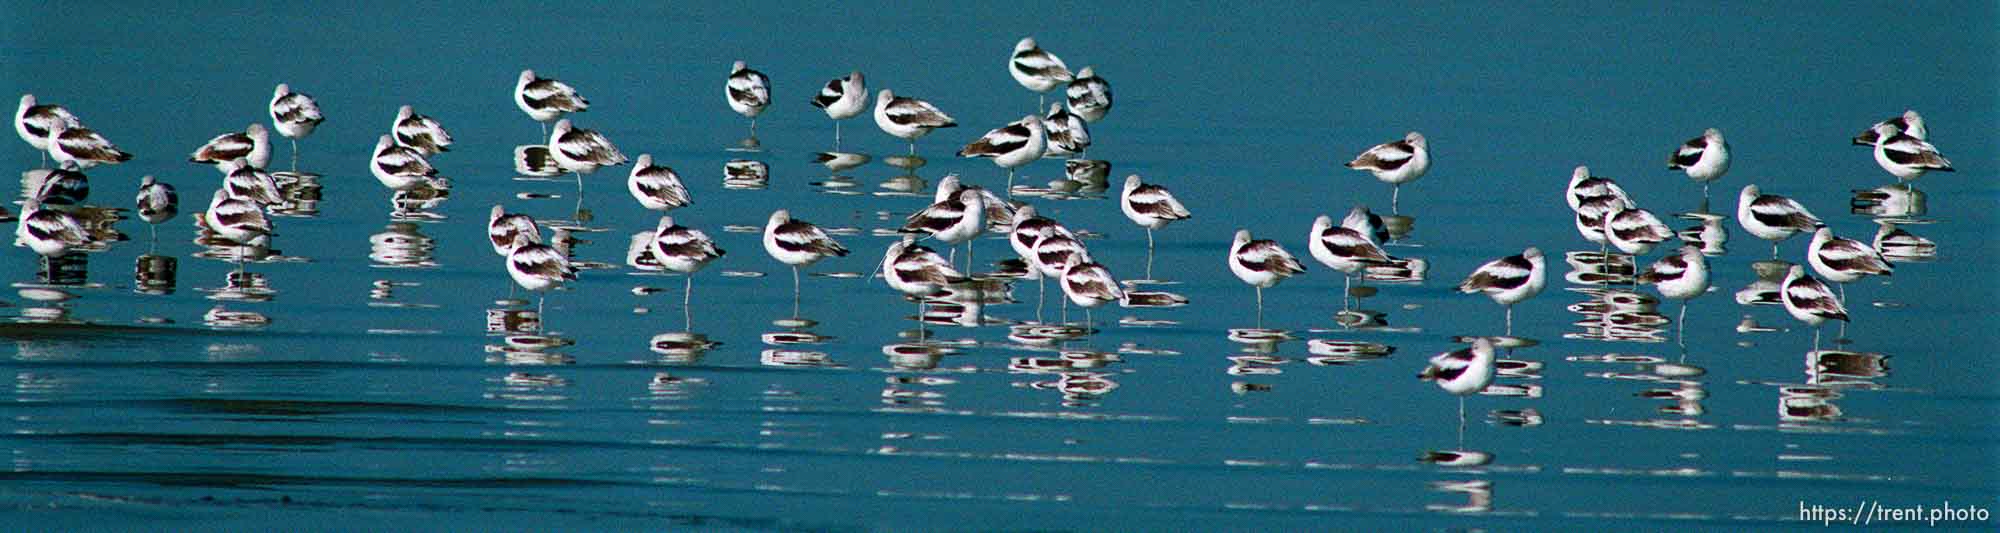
(685, 250)
(842, 98)
(917, 271)
(1396, 163)
(1051, 255)
(238, 220)
(581, 151)
(60, 189)
(1591, 216)
(1508, 280)
(1151, 207)
(1089, 95)
(1910, 123)
(1067, 133)
(1773, 218)
(1088, 285)
(1583, 186)
(1344, 249)
(228, 151)
(1899, 245)
(1704, 158)
(1261, 263)
(295, 115)
(1845, 260)
(398, 167)
(1682, 276)
(999, 212)
(1018, 143)
(1809, 301)
(1037, 69)
(501, 227)
(81, 148)
(253, 184)
(956, 219)
(538, 267)
(1906, 157)
(657, 187)
(1366, 222)
(1463, 372)
(546, 99)
(535, 160)
(748, 92)
(1029, 227)
(421, 132)
(798, 244)
(50, 233)
(157, 202)
(908, 118)
(33, 122)
(1635, 231)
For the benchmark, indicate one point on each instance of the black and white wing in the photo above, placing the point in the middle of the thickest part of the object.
(535, 160)
(1384, 157)
(1849, 255)
(918, 113)
(1811, 295)
(398, 160)
(1781, 212)
(1155, 201)
(591, 146)
(1669, 268)
(1689, 153)
(1447, 366)
(802, 236)
(1506, 273)
(830, 93)
(1006, 139)
(544, 93)
(1267, 256)
(1905, 150)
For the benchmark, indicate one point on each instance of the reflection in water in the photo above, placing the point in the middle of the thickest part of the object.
(788, 345)
(1900, 246)
(402, 245)
(68, 269)
(1829, 374)
(745, 174)
(681, 348)
(416, 203)
(1678, 384)
(521, 339)
(223, 318)
(1617, 315)
(1764, 291)
(155, 274)
(1890, 201)
(1478, 493)
(239, 286)
(1710, 235)
(300, 192)
(49, 305)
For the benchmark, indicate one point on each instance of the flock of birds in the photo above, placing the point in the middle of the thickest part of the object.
(1604, 213)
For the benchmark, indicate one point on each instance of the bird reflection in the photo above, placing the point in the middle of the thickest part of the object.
(1829, 373)
(1765, 290)
(745, 174)
(1900, 246)
(402, 245)
(417, 203)
(301, 193)
(49, 306)
(1617, 315)
(790, 345)
(241, 286)
(681, 347)
(1709, 236)
(1890, 201)
(520, 337)
(220, 317)
(155, 274)
(1478, 493)
(70, 269)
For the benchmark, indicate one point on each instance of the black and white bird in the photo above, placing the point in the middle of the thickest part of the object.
(917, 271)
(1089, 285)
(1509, 280)
(400, 168)
(1463, 372)
(546, 99)
(1396, 163)
(685, 250)
(953, 220)
(421, 132)
(1261, 263)
(253, 184)
(501, 227)
(1089, 95)
(33, 122)
(1068, 134)
(157, 203)
(1366, 222)
(1844, 261)
(842, 98)
(538, 267)
(798, 244)
(1029, 227)
(582, 151)
(1037, 69)
(999, 211)
(1910, 123)
(1682, 275)
(1809, 301)
(657, 187)
(1591, 216)
(240, 221)
(1051, 255)
(908, 118)
(295, 115)
(1583, 186)
(251, 147)
(536, 160)
(60, 189)
(1344, 249)
(1635, 231)
(1773, 218)
(1018, 143)
(1906, 156)
(81, 148)
(1703, 158)
(50, 233)
(749, 92)
(1899, 245)
(1151, 207)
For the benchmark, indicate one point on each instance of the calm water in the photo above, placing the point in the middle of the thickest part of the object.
(390, 389)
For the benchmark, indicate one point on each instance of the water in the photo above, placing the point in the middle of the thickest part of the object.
(378, 395)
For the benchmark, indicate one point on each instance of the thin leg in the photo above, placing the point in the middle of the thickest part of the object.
(1704, 193)
(156, 233)
(795, 290)
(1041, 102)
(1815, 339)
(1510, 321)
(545, 130)
(969, 264)
(1089, 321)
(295, 156)
(1680, 325)
(1010, 183)
(753, 127)
(1149, 253)
(1395, 194)
(1461, 423)
(1345, 293)
(687, 292)
(913, 147)
(1065, 310)
(540, 302)
(836, 136)
(45, 159)
(1260, 307)
(1774, 249)
(579, 185)
(1041, 294)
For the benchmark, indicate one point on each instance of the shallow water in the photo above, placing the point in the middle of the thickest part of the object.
(390, 388)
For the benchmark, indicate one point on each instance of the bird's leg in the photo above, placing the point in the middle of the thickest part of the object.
(1704, 195)
(1065, 310)
(1816, 339)
(687, 292)
(1774, 249)
(913, 147)
(1041, 294)
(1089, 321)
(1010, 183)
(1510, 320)
(753, 127)
(579, 185)
(295, 156)
(1260, 307)
(1461, 423)
(969, 264)
(1349, 291)
(45, 159)
(795, 291)
(1395, 193)
(156, 233)
(1149, 253)
(1680, 325)
(836, 136)
(541, 301)
(1041, 102)
(545, 129)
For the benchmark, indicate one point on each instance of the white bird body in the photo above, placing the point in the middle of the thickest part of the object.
(501, 227)
(1463, 372)
(952, 221)
(157, 201)
(1680, 276)
(81, 148)
(843, 98)
(421, 132)
(399, 168)
(1906, 156)
(1509, 280)
(48, 232)
(798, 243)
(1809, 300)
(747, 90)
(1037, 69)
(1089, 95)
(656, 188)
(294, 114)
(546, 99)
(1635, 231)
(1844, 260)
(1261, 263)
(1771, 217)
(683, 249)
(580, 150)
(33, 121)
(1018, 143)
(1150, 206)
(1704, 158)
(908, 118)
(1396, 162)
(1344, 249)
